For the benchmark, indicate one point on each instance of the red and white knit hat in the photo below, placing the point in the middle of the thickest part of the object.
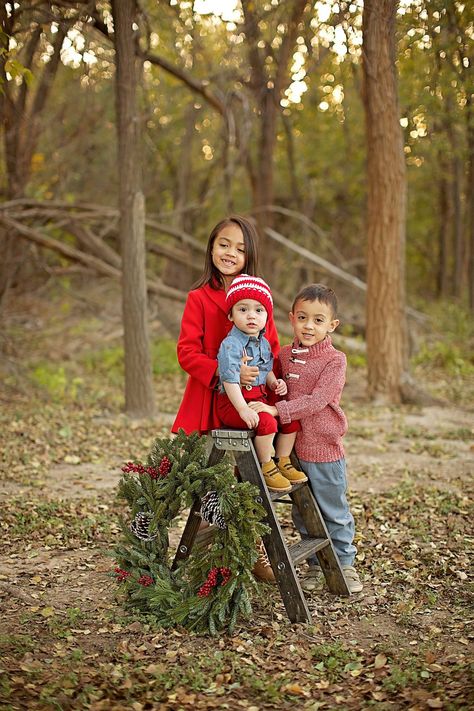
(249, 287)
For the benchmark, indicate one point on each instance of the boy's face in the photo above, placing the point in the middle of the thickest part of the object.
(249, 315)
(312, 321)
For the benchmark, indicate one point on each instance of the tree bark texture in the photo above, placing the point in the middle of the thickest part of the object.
(139, 399)
(20, 117)
(445, 221)
(470, 201)
(386, 323)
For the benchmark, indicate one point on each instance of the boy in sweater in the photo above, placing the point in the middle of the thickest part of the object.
(315, 374)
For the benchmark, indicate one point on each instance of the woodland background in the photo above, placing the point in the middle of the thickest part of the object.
(261, 108)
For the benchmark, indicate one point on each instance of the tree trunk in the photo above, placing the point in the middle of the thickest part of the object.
(268, 86)
(470, 199)
(456, 198)
(139, 400)
(20, 115)
(264, 193)
(459, 249)
(386, 324)
(175, 273)
(444, 233)
(296, 198)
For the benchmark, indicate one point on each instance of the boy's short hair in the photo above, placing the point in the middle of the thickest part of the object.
(317, 292)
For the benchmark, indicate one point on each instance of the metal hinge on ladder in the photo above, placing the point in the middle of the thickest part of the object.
(232, 440)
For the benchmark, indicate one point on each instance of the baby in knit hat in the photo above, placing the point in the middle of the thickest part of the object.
(249, 303)
(315, 373)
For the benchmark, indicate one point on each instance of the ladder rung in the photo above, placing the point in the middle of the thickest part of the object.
(304, 548)
(204, 536)
(275, 495)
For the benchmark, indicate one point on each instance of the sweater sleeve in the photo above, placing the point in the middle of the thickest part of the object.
(329, 385)
(191, 356)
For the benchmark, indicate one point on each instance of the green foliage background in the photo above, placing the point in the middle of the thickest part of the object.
(76, 154)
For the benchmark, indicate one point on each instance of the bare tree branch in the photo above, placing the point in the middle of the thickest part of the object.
(331, 268)
(199, 86)
(154, 286)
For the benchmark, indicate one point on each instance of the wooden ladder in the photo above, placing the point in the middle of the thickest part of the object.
(283, 558)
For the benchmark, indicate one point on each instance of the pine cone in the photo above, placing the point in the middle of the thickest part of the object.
(210, 510)
(140, 526)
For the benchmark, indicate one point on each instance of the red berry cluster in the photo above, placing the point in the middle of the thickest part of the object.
(121, 574)
(155, 473)
(216, 576)
(165, 466)
(131, 467)
(145, 580)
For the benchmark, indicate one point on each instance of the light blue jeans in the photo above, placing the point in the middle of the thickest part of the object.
(328, 483)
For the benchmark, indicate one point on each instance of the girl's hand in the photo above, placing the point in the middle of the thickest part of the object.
(280, 387)
(250, 417)
(262, 407)
(248, 373)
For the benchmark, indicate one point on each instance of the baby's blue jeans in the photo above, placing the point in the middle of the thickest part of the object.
(329, 485)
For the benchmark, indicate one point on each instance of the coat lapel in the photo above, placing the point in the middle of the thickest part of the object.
(217, 296)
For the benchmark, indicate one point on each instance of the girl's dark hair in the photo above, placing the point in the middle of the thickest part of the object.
(212, 275)
(317, 292)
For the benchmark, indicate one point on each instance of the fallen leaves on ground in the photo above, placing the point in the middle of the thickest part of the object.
(66, 642)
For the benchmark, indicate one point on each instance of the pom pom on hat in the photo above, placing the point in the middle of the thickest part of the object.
(249, 287)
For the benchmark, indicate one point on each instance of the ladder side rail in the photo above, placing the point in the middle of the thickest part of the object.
(278, 553)
(194, 520)
(306, 503)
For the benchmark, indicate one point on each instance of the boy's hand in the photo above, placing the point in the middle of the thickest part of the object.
(248, 373)
(280, 387)
(250, 417)
(262, 407)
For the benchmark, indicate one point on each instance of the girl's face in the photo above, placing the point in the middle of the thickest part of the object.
(228, 252)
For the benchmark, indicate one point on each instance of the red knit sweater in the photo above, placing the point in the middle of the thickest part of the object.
(315, 377)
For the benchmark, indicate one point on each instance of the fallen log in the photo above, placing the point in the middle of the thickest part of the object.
(331, 268)
(154, 286)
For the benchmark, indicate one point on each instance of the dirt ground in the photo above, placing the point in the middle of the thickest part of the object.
(406, 641)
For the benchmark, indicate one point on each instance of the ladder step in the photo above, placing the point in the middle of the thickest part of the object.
(304, 548)
(204, 536)
(275, 495)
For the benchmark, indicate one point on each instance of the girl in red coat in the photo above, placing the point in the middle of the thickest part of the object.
(231, 250)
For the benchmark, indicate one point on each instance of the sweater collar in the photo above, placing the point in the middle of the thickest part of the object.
(313, 351)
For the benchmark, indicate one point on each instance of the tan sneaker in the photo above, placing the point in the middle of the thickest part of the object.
(273, 479)
(262, 570)
(353, 581)
(287, 469)
(312, 579)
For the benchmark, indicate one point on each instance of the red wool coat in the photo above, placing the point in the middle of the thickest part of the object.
(204, 326)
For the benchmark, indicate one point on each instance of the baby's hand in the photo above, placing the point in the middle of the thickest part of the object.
(248, 373)
(250, 417)
(280, 387)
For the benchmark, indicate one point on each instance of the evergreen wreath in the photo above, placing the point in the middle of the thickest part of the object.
(210, 589)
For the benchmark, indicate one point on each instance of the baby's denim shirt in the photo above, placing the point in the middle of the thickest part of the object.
(231, 352)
